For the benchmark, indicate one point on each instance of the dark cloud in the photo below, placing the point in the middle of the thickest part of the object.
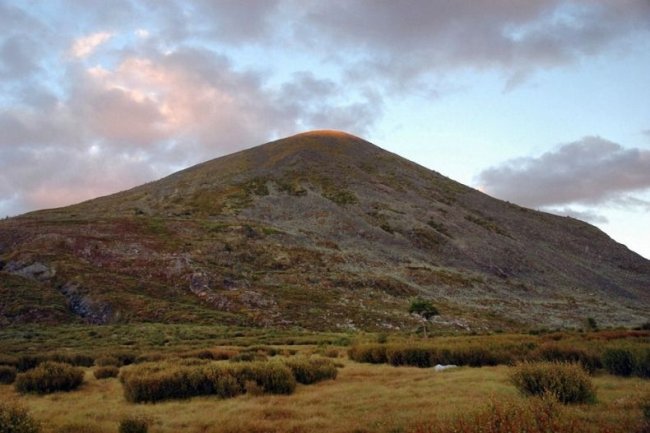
(589, 171)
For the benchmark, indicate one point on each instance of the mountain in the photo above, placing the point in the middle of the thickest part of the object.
(321, 230)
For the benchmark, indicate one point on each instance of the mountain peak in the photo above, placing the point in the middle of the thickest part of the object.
(322, 230)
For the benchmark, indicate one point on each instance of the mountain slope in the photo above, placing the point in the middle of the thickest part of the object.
(322, 230)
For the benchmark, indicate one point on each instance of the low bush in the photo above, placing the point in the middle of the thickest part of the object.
(311, 370)
(106, 372)
(417, 356)
(215, 355)
(569, 383)
(619, 362)
(560, 353)
(134, 424)
(249, 357)
(164, 381)
(7, 374)
(272, 377)
(49, 377)
(16, 419)
(370, 353)
(105, 361)
(642, 363)
(28, 362)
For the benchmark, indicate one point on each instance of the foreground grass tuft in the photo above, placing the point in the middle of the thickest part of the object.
(16, 419)
(569, 383)
(134, 424)
(49, 377)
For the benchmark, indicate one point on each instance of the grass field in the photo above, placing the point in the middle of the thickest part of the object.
(363, 397)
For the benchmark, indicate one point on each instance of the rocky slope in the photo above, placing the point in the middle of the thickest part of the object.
(321, 230)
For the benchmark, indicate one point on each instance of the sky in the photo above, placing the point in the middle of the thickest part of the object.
(542, 103)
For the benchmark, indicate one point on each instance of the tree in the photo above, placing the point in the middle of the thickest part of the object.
(423, 309)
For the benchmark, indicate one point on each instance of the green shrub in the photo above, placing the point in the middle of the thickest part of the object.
(569, 383)
(16, 419)
(311, 370)
(249, 357)
(163, 381)
(49, 377)
(558, 353)
(272, 377)
(133, 424)
(416, 356)
(76, 359)
(619, 362)
(7, 374)
(370, 353)
(106, 372)
(642, 363)
(472, 355)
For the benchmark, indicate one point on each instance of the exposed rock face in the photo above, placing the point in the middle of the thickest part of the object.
(35, 271)
(83, 305)
(326, 231)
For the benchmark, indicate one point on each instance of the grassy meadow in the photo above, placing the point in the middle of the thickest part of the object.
(366, 395)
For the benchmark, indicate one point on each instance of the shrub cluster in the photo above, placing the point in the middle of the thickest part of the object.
(311, 370)
(569, 383)
(562, 353)
(28, 362)
(418, 355)
(215, 355)
(7, 374)
(626, 362)
(106, 371)
(49, 377)
(16, 419)
(163, 381)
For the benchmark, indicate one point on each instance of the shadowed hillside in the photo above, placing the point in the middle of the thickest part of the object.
(321, 230)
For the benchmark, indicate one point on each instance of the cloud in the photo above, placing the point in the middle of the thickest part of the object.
(584, 215)
(407, 39)
(590, 171)
(85, 46)
(151, 113)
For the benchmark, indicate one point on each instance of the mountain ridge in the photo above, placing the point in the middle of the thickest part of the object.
(321, 230)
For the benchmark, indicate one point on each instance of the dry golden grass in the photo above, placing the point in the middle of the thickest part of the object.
(364, 398)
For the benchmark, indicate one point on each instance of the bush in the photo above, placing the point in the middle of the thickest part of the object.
(134, 425)
(248, 357)
(7, 374)
(105, 361)
(619, 362)
(642, 363)
(15, 419)
(558, 353)
(569, 383)
(163, 381)
(106, 372)
(273, 377)
(311, 370)
(49, 377)
(416, 356)
(370, 353)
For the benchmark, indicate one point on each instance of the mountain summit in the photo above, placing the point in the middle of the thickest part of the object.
(321, 230)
